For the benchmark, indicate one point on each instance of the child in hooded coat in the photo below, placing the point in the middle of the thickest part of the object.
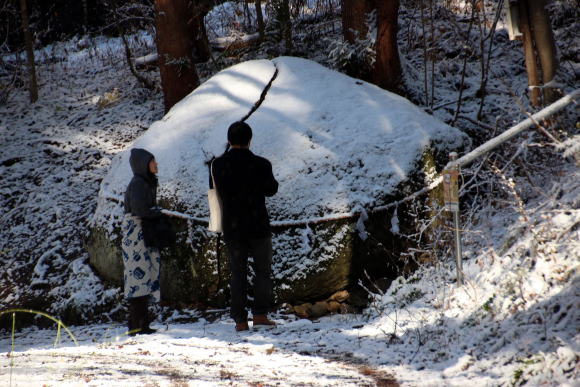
(141, 263)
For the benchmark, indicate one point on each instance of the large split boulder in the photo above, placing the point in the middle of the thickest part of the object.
(339, 148)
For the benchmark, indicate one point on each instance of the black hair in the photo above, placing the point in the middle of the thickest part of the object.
(239, 133)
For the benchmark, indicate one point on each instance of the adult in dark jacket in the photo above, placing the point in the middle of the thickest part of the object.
(141, 263)
(243, 180)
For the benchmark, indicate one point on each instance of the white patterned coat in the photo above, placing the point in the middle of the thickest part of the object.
(141, 274)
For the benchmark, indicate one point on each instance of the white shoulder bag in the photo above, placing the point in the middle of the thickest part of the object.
(215, 206)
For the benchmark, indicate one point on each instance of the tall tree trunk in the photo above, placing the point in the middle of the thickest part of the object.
(529, 54)
(387, 72)
(354, 16)
(539, 50)
(202, 51)
(260, 19)
(545, 46)
(247, 14)
(33, 85)
(283, 19)
(175, 49)
(85, 16)
(286, 24)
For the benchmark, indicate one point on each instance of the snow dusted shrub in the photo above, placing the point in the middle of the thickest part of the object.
(5, 91)
(356, 59)
(282, 22)
(571, 148)
(547, 369)
(230, 19)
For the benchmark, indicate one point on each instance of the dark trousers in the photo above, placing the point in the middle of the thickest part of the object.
(238, 253)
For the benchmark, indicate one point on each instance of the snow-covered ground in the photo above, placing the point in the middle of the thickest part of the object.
(196, 354)
(515, 321)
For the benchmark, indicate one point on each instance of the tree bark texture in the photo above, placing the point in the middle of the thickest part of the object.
(175, 49)
(387, 72)
(33, 85)
(354, 16)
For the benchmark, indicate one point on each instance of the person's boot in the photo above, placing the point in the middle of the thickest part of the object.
(242, 326)
(262, 319)
(133, 322)
(144, 328)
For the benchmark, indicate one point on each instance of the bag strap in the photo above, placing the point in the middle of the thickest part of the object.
(219, 235)
(211, 172)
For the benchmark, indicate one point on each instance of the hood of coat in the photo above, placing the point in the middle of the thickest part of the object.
(139, 161)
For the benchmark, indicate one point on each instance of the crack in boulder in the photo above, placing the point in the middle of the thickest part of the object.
(262, 96)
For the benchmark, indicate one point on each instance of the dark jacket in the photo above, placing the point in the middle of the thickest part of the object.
(242, 181)
(141, 193)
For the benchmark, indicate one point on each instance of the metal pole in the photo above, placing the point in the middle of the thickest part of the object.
(451, 196)
(458, 254)
(458, 248)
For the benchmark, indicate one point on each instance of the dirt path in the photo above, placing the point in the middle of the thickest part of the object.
(178, 357)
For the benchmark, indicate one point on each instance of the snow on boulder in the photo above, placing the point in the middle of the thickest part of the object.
(338, 147)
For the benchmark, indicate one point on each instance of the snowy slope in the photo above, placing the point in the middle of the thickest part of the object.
(53, 156)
